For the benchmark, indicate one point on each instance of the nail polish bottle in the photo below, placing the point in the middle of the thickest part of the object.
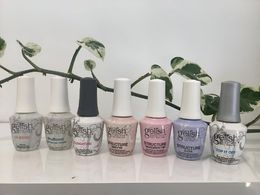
(26, 123)
(155, 127)
(189, 130)
(58, 123)
(87, 126)
(227, 134)
(121, 127)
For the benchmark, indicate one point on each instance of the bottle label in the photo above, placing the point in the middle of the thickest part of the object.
(121, 138)
(155, 139)
(189, 142)
(87, 138)
(26, 133)
(226, 144)
(58, 133)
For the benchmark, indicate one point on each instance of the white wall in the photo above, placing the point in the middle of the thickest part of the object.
(221, 35)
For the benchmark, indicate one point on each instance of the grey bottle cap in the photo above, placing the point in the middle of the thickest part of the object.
(229, 105)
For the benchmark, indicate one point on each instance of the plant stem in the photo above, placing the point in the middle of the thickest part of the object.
(46, 71)
(20, 43)
(171, 73)
(33, 65)
(253, 121)
(105, 88)
(146, 97)
(213, 117)
(7, 70)
(76, 77)
(17, 74)
(100, 85)
(24, 55)
(253, 131)
(73, 59)
(140, 79)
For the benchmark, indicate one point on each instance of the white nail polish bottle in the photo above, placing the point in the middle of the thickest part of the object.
(26, 123)
(227, 134)
(58, 123)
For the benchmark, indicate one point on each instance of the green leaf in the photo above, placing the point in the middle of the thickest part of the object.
(158, 73)
(95, 47)
(175, 61)
(2, 47)
(249, 99)
(190, 70)
(89, 65)
(31, 49)
(209, 104)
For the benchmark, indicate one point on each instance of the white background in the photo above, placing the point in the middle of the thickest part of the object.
(221, 35)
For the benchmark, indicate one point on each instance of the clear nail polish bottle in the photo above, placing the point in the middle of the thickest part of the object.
(121, 127)
(189, 130)
(58, 123)
(26, 123)
(87, 126)
(156, 127)
(227, 134)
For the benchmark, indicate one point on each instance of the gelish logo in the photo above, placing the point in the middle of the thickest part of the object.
(57, 128)
(184, 134)
(155, 132)
(22, 127)
(118, 132)
(223, 138)
(94, 130)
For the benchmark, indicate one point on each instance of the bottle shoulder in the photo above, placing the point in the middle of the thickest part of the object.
(229, 126)
(26, 116)
(96, 119)
(187, 122)
(155, 121)
(65, 115)
(120, 120)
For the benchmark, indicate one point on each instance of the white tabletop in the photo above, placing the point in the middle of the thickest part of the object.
(64, 167)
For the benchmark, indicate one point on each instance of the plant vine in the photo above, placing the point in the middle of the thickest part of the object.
(209, 102)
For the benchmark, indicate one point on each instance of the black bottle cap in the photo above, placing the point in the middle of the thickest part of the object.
(88, 98)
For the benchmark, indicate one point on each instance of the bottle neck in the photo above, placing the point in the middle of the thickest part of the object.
(152, 117)
(53, 112)
(187, 119)
(26, 112)
(121, 116)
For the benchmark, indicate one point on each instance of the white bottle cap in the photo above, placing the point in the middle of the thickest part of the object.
(122, 97)
(59, 101)
(25, 101)
(156, 99)
(190, 103)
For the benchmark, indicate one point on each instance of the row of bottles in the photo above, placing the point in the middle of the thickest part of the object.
(85, 131)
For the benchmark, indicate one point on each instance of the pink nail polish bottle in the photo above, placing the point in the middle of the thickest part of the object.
(155, 127)
(121, 127)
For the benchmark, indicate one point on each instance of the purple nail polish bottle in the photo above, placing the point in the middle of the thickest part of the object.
(189, 130)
